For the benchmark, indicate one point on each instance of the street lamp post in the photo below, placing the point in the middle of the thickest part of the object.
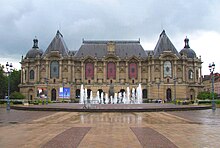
(9, 70)
(212, 68)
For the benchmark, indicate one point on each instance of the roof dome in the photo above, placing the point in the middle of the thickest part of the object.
(187, 50)
(34, 51)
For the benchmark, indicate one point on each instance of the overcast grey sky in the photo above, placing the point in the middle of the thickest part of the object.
(22, 20)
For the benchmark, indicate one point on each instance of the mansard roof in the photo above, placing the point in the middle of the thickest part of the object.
(122, 49)
(164, 44)
(57, 44)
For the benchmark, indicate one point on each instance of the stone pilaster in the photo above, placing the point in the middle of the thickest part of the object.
(69, 71)
(82, 72)
(139, 71)
(104, 72)
(184, 73)
(60, 70)
(126, 71)
(161, 71)
(117, 72)
(47, 70)
(95, 72)
(149, 71)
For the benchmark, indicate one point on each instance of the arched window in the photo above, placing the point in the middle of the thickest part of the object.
(133, 70)
(89, 70)
(111, 70)
(31, 75)
(190, 75)
(54, 69)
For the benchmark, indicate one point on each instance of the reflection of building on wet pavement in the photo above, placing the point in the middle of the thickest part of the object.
(182, 129)
(109, 118)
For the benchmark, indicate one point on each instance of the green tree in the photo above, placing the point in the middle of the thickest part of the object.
(15, 80)
(206, 95)
(3, 82)
(17, 95)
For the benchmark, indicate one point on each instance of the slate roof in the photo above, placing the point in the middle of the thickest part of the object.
(57, 44)
(122, 49)
(164, 44)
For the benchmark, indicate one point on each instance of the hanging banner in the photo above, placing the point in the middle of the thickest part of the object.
(64, 92)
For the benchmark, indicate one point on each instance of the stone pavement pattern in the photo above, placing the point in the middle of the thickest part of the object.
(110, 130)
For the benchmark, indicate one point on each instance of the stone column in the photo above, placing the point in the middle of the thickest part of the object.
(161, 71)
(27, 74)
(139, 71)
(95, 72)
(194, 73)
(60, 70)
(47, 70)
(38, 71)
(22, 75)
(175, 69)
(126, 71)
(82, 72)
(149, 72)
(184, 72)
(69, 73)
(152, 71)
(200, 76)
(73, 72)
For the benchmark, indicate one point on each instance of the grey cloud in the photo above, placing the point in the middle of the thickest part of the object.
(96, 19)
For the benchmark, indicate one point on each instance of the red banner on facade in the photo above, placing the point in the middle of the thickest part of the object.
(111, 70)
(133, 70)
(89, 70)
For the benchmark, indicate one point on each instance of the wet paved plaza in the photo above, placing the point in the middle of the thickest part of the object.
(109, 130)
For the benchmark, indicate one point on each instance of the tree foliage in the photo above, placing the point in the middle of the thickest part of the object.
(206, 95)
(14, 81)
(17, 95)
(3, 82)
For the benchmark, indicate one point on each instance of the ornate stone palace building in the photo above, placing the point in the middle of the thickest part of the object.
(164, 73)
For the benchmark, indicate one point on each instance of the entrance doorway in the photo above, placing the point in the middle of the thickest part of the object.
(89, 93)
(169, 96)
(78, 93)
(53, 95)
(144, 93)
(192, 94)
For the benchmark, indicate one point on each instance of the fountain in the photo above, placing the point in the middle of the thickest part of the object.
(139, 94)
(133, 97)
(115, 98)
(102, 100)
(128, 95)
(91, 97)
(106, 99)
(97, 97)
(81, 95)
